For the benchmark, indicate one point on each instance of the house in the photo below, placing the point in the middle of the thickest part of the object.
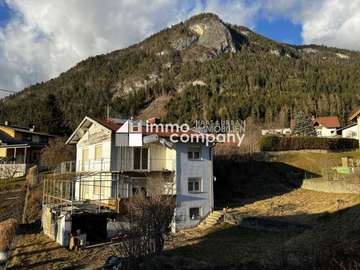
(355, 116)
(116, 159)
(349, 131)
(326, 126)
(20, 147)
(276, 131)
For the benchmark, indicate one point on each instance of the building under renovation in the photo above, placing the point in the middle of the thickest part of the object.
(114, 161)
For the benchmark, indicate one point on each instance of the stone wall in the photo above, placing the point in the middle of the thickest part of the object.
(332, 186)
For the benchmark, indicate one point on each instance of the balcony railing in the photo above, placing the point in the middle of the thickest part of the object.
(104, 165)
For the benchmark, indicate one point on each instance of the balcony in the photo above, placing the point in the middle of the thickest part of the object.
(125, 165)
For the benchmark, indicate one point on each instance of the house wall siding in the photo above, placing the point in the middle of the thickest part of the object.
(185, 169)
(90, 187)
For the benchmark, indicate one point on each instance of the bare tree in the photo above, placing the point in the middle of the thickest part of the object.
(149, 218)
(57, 152)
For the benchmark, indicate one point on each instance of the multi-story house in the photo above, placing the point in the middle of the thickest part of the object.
(20, 147)
(114, 162)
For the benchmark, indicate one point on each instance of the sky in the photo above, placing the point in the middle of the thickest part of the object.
(39, 39)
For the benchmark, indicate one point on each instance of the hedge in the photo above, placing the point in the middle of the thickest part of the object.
(277, 143)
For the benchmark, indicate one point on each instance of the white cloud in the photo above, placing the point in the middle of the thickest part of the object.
(45, 38)
(324, 22)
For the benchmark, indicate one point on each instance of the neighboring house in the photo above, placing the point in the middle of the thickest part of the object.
(350, 131)
(276, 131)
(326, 126)
(19, 148)
(356, 117)
(115, 163)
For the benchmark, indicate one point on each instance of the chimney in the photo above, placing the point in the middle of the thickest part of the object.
(7, 123)
(153, 121)
(32, 128)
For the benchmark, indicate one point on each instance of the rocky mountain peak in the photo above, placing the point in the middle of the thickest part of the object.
(208, 31)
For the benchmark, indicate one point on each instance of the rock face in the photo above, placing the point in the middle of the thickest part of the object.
(213, 34)
(208, 32)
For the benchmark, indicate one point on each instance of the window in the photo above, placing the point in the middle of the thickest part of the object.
(85, 154)
(194, 153)
(85, 158)
(194, 184)
(98, 152)
(141, 158)
(194, 213)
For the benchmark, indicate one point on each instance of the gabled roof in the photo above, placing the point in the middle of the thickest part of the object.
(346, 127)
(328, 121)
(354, 115)
(26, 130)
(108, 124)
(86, 123)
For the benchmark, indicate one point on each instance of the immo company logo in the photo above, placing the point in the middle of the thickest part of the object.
(206, 132)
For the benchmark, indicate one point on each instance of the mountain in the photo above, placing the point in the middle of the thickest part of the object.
(202, 68)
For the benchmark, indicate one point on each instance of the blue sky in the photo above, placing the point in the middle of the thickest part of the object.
(5, 14)
(282, 30)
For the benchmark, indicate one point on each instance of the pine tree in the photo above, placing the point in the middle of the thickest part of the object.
(304, 126)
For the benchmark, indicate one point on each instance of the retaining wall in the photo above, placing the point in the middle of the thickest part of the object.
(333, 186)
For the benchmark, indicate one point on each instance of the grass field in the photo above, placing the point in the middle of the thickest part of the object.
(235, 244)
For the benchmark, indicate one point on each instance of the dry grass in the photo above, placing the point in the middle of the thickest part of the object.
(37, 251)
(299, 205)
(225, 243)
(7, 233)
(155, 109)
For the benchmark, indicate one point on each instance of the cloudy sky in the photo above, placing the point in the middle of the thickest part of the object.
(39, 39)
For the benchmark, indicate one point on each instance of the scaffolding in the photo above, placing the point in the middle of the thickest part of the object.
(98, 190)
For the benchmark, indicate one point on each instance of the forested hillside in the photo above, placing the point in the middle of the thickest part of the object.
(210, 70)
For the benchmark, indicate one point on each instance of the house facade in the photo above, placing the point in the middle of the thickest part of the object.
(355, 117)
(350, 131)
(20, 147)
(326, 126)
(114, 163)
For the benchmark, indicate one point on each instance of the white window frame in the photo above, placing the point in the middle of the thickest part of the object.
(192, 150)
(96, 146)
(193, 180)
(141, 164)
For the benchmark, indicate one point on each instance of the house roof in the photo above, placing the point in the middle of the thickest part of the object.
(86, 123)
(109, 124)
(346, 127)
(354, 115)
(328, 121)
(26, 130)
(9, 142)
(112, 126)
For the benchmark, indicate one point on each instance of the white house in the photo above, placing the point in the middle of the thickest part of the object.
(276, 131)
(326, 126)
(350, 131)
(114, 163)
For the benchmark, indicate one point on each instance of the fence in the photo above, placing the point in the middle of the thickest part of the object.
(12, 170)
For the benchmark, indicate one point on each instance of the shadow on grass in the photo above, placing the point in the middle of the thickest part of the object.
(239, 182)
(269, 244)
(29, 228)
